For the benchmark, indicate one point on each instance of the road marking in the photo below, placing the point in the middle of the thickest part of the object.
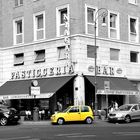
(74, 135)
(69, 134)
(81, 136)
(127, 133)
(16, 138)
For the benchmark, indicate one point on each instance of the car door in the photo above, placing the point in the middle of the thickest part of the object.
(85, 112)
(135, 112)
(74, 114)
(138, 111)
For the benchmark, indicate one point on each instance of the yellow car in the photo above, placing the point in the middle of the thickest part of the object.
(73, 113)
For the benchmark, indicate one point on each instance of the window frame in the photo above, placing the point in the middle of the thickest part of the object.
(59, 53)
(134, 52)
(58, 18)
(16, 57)
(18, 3)
(35, 24)
(86, 19)
(134, 3)
(94, 49)
(117, 22)
(36, 53)
(15, 34)
(118, 54)
(130, 34)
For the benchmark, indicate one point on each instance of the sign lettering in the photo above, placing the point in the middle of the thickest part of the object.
(42, 72)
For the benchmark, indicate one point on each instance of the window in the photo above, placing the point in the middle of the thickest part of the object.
(114, 54)
(84, 109)
(39, 26)
(18, 3)
(74, 109)
(132, 1)
(139, 106)
(89, 19)
(133, 29)
(134, 57)
(18, 31)
(61, 13)
(114, 25)
(18, 59)
(61, 53)
(135, 107)
(39, 56)
(91, 51)
(90, 15)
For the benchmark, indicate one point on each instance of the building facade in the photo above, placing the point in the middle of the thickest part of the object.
(48, 52)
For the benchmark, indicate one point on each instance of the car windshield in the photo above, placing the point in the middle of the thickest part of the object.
(125, 107)
(66, 109)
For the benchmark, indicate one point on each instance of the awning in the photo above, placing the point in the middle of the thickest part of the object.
(20, 89)
(113, 85)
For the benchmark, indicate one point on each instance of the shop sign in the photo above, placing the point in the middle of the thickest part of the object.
(26, 96)
(34, 90)
(42, 72)
(106, 85)
(117, 92)
(106, 70)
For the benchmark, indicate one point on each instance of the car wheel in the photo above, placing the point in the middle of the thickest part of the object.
(89, 120)
(60, 121)
(3, 121)
(127, 119)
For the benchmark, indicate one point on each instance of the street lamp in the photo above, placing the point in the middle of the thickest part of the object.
(102, 12)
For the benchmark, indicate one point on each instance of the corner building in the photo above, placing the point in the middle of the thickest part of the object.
(48, 51)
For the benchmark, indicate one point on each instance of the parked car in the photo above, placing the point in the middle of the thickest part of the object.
(8, 115)
(127, 113)
(72, 114)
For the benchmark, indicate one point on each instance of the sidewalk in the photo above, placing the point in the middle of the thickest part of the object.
(48, 122)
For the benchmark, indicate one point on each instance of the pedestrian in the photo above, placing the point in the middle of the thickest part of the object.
(111, 107)
(59, 106)
(115, 105)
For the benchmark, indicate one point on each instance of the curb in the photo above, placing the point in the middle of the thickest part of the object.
(48, 122)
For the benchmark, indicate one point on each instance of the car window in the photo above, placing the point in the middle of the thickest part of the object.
(84, 109)
(125, 107)
(74, 109)
(135, 107)
(66, 109)
(139, 106)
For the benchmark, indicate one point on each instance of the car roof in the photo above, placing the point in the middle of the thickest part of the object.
(79, 106)
(131, 104)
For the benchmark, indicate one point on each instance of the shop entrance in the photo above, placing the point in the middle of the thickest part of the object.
(27, 108)
(64, 96)
(89, 93)
(116, 98)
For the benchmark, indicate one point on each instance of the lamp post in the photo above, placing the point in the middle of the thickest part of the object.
(102, 12)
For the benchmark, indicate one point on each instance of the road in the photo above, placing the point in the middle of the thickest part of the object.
(105, 131)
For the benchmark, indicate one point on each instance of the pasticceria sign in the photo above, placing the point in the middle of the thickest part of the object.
(42, 72)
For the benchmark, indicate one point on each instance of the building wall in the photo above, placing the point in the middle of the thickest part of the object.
(79, 40)
(28, 9)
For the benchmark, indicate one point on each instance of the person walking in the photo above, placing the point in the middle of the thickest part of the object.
(59, 106)
(115, 105)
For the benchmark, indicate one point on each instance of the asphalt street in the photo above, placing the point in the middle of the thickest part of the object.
(101, 130)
